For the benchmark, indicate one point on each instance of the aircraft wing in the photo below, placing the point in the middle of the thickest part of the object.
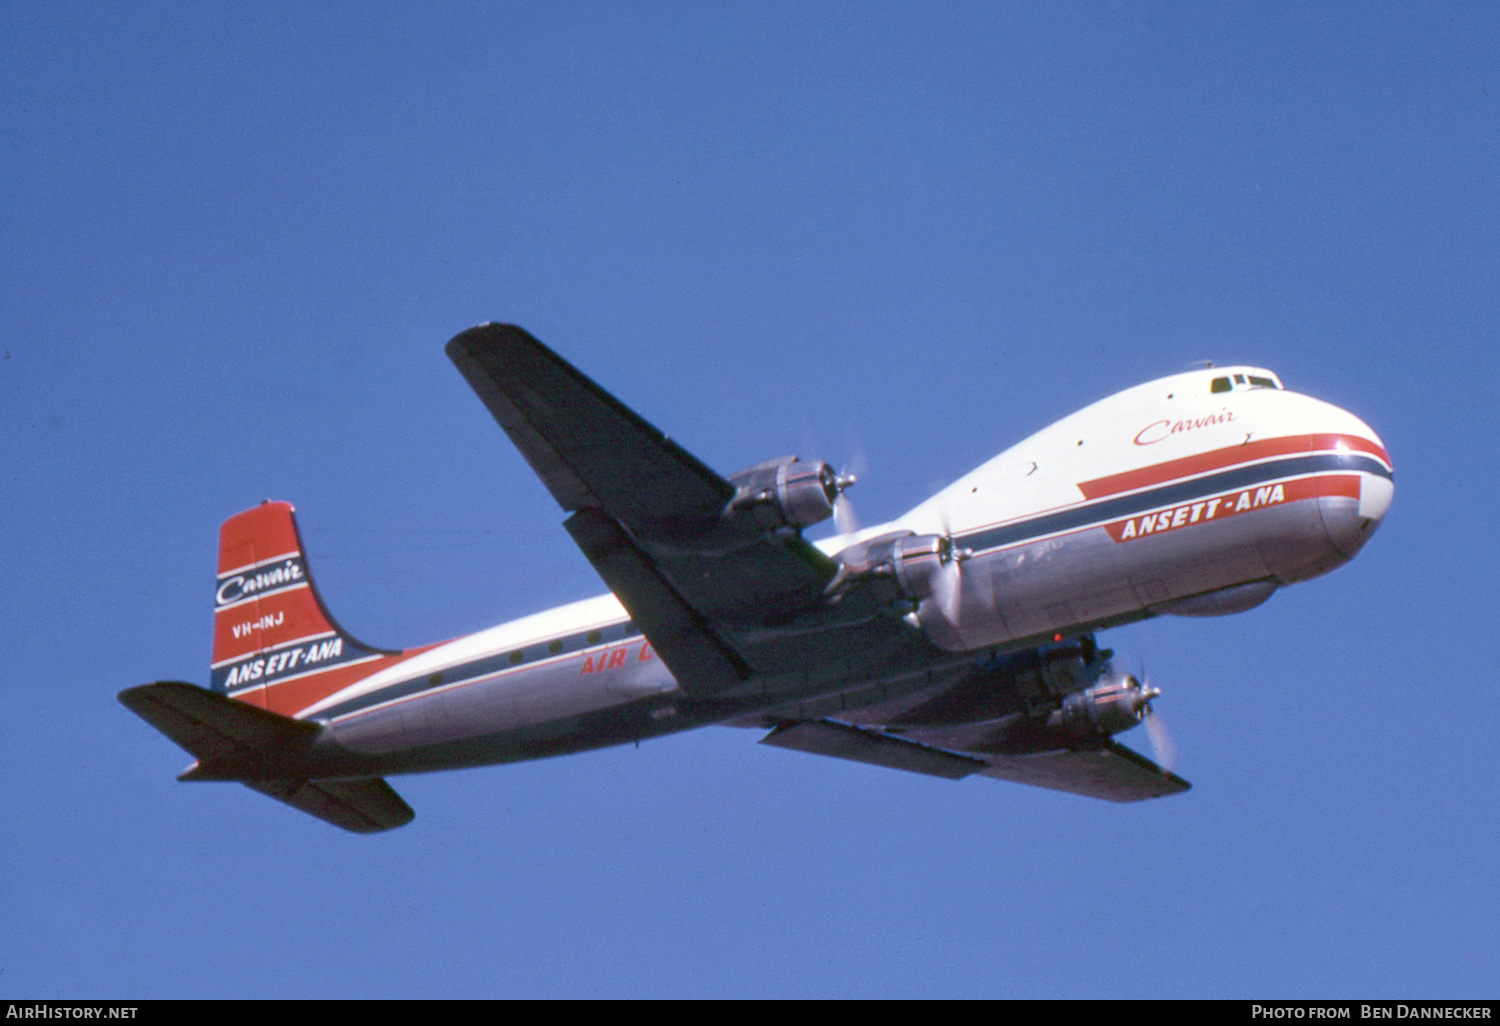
(861, 744)
(1110, 771)
(648, 515)
(589, 449)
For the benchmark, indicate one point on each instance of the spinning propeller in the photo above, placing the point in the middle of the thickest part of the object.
(1162, 748)
(844, 520)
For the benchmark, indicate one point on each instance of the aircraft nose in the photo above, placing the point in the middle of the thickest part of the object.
(1354, 509)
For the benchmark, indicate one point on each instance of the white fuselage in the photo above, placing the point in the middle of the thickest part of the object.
(1195, 494)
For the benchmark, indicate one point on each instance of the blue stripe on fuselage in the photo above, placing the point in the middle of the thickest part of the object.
(1167, 495)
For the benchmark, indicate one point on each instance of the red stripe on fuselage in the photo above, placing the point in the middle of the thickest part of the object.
(1225, 505)
(1346, 485)
(1218, 459)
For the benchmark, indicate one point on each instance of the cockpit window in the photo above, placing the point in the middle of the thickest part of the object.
(1241, 382)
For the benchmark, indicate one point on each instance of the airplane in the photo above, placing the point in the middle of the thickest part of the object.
(955, 640)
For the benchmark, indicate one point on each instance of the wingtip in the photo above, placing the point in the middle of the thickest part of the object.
(488, 328)
(144, 694)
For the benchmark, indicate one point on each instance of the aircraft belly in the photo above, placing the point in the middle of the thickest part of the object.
(1095, 576)
(1043, 585)
(1293, 537)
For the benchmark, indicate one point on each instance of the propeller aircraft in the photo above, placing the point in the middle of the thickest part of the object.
(955, 640)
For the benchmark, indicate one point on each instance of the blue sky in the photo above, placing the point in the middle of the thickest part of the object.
(233, 242)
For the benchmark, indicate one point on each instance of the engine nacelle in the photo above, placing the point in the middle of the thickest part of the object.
(1118, 703)
(897, 567)
(786, 492)
(1027, 685)
(1044, 699)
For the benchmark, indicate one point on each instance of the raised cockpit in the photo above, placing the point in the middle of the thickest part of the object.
(1239, 381)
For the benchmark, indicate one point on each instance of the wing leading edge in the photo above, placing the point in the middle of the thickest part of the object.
(589, 449)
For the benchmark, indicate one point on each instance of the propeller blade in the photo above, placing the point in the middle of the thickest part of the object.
(1161, 743)
(1162, 748)
(844, 520)
(948, 590)
(951, 598)
(856, 462)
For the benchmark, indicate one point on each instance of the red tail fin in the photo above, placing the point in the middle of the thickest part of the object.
(275, 645)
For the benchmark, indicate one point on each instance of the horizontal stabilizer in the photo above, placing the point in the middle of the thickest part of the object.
(209, 725)
(233, 741)
(363, 806)
(846, 741)
(1113, 772)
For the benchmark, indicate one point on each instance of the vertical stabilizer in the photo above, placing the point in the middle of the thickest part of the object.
(275, 645)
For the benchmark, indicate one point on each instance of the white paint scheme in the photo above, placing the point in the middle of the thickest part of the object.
(588, 614)
(1043, 471)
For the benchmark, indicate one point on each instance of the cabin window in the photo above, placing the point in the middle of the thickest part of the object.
(554, 646)
(515, 657)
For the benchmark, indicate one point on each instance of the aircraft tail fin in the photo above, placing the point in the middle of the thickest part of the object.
(236, 741)
(276, 646)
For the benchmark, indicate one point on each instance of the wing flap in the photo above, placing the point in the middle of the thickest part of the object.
(1111, 772)
(859, 744)
(699, 659)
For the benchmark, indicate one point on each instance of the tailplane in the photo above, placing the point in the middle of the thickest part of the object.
(235, 741)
